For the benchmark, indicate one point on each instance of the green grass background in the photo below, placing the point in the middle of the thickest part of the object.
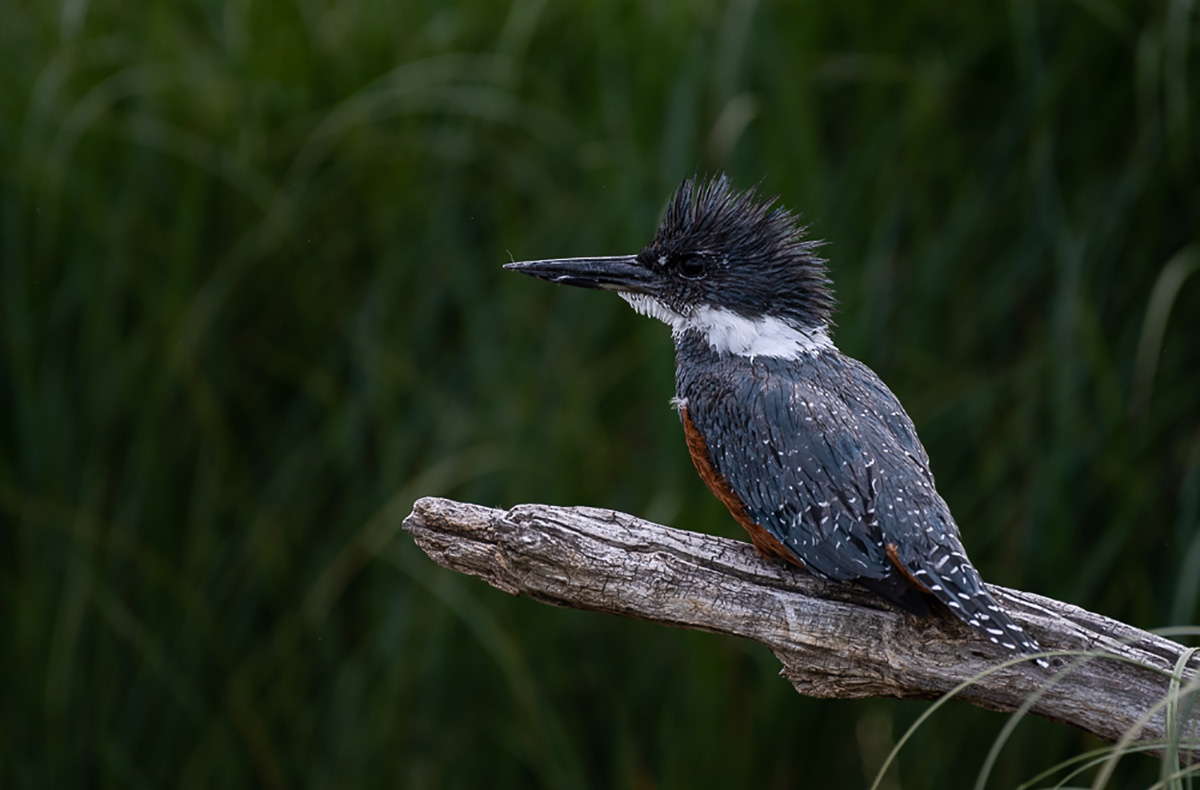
(251, 307)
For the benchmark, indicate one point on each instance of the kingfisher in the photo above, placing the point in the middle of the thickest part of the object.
(808, 449)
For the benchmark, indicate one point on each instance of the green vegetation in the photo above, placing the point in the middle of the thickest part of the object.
(251, 307)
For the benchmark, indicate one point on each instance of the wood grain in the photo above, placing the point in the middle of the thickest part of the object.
(834, 640)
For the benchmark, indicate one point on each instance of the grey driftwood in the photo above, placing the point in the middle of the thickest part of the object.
(834, 640)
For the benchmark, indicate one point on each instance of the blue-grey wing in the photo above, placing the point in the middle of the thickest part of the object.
(809, 468)
(825, 459)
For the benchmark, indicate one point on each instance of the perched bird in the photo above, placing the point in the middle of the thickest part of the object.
(808, 449)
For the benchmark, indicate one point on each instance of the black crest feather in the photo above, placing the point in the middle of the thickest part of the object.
(753, 236)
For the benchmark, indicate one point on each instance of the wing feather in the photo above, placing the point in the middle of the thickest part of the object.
(823, 457)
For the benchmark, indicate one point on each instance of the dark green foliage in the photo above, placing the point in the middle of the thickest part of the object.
(251, 306)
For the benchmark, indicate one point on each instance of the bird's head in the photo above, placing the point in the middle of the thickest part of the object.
(730, 265)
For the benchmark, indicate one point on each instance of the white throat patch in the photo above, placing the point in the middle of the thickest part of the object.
(728, 332)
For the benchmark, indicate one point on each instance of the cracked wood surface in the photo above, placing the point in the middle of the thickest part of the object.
(834, 640)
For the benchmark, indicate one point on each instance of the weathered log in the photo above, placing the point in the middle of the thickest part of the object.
(834, 640)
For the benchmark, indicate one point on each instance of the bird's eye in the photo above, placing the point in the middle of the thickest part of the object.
(692, 266)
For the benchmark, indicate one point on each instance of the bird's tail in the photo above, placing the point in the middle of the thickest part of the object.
(896, 588)
(952, 579)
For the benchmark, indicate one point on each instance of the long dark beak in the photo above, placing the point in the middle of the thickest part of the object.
(616, 273)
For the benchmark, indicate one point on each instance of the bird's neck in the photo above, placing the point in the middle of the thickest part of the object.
(704, 372)
(727, 332)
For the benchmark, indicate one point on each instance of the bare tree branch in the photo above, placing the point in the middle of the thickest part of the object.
(834, 640)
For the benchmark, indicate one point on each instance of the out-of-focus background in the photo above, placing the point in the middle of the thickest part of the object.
(251, 307)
